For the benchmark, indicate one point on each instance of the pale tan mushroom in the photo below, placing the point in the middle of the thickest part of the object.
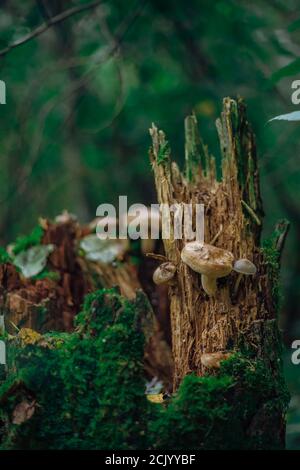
(209, 261)
(65, 217)
(164, 273)
(213, 360)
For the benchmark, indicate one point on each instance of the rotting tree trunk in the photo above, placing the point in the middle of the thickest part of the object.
(233, 216)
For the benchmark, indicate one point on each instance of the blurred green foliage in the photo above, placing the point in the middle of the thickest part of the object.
(75, 127)
(81, 97)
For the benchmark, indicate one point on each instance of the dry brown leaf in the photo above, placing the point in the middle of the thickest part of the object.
(23, 412)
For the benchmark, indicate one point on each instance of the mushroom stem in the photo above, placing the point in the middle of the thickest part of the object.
(237, 284)
(209, 284)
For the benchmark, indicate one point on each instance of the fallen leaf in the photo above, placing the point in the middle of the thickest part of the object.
(156, 398)
(23, 412)
(33, 261)
(294, 116)
(105, 251)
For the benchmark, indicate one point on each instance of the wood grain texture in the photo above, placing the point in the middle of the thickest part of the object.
(202, 324)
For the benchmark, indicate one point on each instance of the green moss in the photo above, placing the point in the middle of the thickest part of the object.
(4, 256)
(90, 390)
(271, 257)
(216, 412)
(192, 415)
(89, 384)
(24, 242)
(46, 274)
(42, 317)
(163, 153)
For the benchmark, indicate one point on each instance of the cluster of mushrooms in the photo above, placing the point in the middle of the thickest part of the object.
(209, 261)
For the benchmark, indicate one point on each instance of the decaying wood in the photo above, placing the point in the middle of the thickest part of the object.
(47, 305)
(233, 220)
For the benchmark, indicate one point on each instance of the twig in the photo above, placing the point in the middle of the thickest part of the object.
(15, 326)
(251, 212)
(52, 21)
(156, 256)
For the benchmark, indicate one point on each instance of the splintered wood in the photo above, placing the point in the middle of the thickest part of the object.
(233, 221)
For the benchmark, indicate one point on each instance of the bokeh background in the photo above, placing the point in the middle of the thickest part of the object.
(82, 95)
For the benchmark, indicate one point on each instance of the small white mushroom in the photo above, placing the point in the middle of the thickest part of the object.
(65, 217)
(213, 360)
(211, 262)
(242, 266)
(164, 273)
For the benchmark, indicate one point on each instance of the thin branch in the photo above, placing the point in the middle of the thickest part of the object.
(251, 212)
(157, 257)
(52, 21)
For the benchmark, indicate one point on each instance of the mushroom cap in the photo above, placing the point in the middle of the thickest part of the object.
(65, 217)
(244, 266)
(213, 360)
(164, 273)
(207, 259)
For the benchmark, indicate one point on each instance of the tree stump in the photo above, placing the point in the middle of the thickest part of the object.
(245, 321)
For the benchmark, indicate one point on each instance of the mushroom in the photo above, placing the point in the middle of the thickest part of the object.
(243, 266)
(213, 360)
(211, 262)
(164, 273)
(65, 217)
